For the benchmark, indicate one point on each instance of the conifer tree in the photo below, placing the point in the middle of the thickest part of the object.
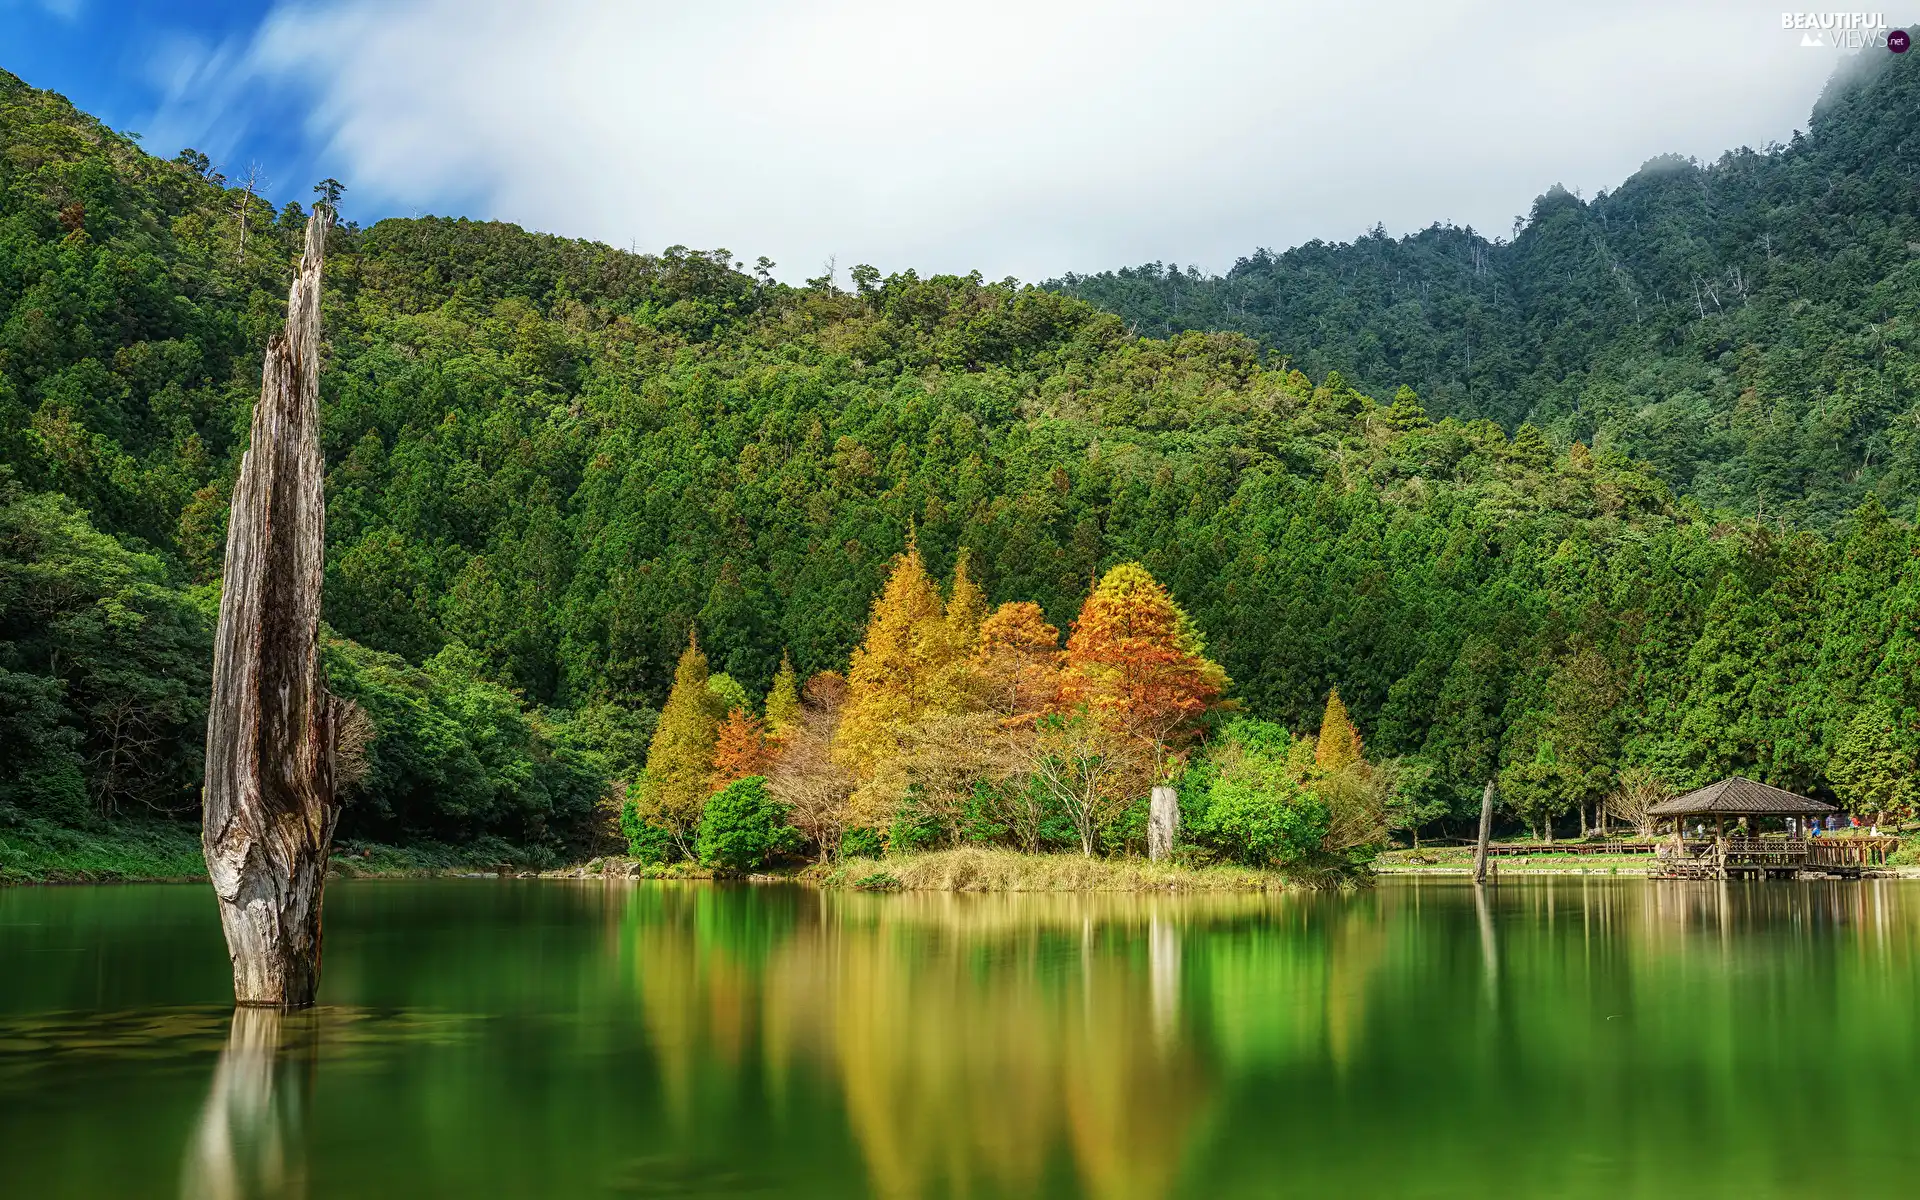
(892, 680)
(740, 748)
(1872, 771)
(1018, 661)
(783, 698)
(966, 606)
(1338, 746)
(1136, 658)
(680, 758)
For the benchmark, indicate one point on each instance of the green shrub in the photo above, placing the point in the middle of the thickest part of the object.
(645, 841)
(1262, 826)
(744, 828)
(914, 829)
(1245, 803)
(862, 843)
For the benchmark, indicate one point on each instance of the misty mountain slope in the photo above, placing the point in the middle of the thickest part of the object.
(1747, 325)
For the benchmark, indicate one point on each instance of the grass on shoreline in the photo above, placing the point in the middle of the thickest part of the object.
(38, 851)
(1443, 859)
(132, 850)
(979, 869)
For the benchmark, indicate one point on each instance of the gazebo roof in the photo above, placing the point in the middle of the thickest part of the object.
(1738, 795)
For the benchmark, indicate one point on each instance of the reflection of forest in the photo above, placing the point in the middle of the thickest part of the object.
(1118, 1045)
(980, 1042)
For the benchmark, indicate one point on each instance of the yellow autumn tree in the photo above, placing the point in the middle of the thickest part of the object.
(1338, 746)
(674, 790)
(1355, 794)
(966, 607)
(909, 680)
(891, 681)
(783, 699)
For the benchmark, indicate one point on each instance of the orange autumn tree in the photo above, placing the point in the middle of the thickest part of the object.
(1136, 660)
(1017, 661)
(741, 748)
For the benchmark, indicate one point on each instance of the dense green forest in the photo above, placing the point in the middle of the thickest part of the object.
(551, 461)
(1747, 326)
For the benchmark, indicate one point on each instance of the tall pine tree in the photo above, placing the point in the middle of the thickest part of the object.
(680, 758)
(1338, 745)
(892, 681)
(783, 698)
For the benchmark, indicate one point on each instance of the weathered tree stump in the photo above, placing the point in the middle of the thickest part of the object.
(269, 809)
(1486, 829)
(1163, 823)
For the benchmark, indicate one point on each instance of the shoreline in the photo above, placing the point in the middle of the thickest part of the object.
(979, 869)
(175, 859)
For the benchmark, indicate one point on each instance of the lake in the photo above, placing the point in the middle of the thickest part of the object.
(1568, 1037)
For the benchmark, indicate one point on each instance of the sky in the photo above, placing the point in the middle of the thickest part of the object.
(1015, 137)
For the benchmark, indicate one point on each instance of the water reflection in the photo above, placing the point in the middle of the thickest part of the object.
(974, 1037)
(249, 1141)
(1102, 1044)
(1585, 1037)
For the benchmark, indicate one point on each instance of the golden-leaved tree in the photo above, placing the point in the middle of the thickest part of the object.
(1338, 745)
(1017, 662)
(1355, 792)
(905, 672)
(679, 772)
(783, 698)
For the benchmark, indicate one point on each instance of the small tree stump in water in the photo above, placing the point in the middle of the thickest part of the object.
(1163, 823)
(1486, 828)
(269, 811)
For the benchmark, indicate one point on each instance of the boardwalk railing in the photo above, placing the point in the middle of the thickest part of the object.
(1574, 848)
(1770, 856)
(1851, 851)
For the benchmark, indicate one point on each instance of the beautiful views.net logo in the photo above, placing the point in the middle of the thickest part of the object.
(1845, 30)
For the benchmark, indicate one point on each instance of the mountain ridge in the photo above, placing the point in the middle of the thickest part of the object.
(1746, 325)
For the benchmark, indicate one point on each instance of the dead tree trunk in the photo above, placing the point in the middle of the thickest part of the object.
(269, 808)
(1486, 829)
(1163, 823)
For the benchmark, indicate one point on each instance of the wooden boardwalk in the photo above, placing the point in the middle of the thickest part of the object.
(1771, 858)
(1536, 848)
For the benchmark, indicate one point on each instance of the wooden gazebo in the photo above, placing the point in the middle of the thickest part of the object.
(1758, 857)
(1737, 796)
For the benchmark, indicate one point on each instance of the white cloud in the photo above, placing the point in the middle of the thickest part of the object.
(1020, 137)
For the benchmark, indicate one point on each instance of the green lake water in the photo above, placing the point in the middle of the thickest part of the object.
(479, 1038)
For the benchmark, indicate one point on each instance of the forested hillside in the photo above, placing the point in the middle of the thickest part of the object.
(550, 461)
(1748, 326)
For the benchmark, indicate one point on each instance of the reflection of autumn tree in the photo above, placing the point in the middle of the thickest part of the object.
(699, 963)
(1043, 1055)
(957, 1077)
